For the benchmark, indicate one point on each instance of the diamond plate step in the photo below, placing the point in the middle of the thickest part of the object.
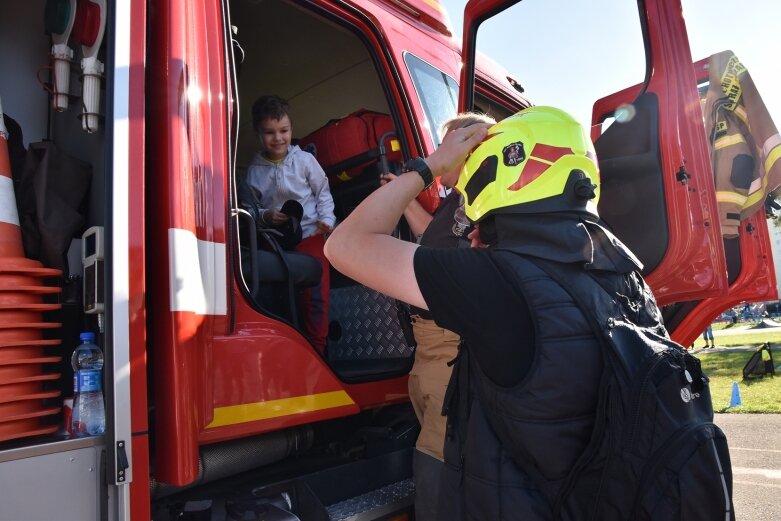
(375, 504)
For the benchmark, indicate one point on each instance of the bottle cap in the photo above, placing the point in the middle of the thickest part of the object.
(87, 336)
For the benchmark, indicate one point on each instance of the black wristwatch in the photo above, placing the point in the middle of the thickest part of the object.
(419, 165)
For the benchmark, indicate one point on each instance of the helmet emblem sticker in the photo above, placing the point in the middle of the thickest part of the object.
(513, 154)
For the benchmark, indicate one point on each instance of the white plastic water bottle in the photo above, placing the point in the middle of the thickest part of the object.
(89, 416)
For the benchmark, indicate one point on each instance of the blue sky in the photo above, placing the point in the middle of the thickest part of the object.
(572, 52)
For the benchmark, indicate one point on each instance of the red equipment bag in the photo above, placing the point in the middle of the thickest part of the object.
(344, 147)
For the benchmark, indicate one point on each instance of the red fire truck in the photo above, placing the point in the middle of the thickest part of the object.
(131, 121)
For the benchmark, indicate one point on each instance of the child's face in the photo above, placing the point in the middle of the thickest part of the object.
(275, 135)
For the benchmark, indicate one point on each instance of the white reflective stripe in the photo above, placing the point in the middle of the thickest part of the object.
(771, 143)
(740, 112)
(197, 274)
(772, 151)
(755, 185)
(8, 213)
(118, 98)
(727, 141)
(731, 197)
(724, 487)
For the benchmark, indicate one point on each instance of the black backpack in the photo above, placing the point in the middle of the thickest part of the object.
(655, 453)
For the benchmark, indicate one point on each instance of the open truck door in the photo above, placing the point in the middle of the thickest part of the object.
(658, 192)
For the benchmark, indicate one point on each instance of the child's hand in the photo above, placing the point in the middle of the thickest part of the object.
(323, 228)
(387, 178)
(275, 217)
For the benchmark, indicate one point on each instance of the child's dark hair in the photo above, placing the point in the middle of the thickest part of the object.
(270, 106)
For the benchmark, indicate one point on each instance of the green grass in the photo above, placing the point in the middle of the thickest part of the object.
(756, 337)
(761, 395)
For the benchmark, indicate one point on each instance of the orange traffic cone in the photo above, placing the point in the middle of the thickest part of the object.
(22, 346)
(10, 234)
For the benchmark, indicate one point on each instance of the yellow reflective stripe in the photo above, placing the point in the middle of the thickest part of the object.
(343, 176)
(730, 82)
(757, 196)
(249, 412)
(541, 160)
(772, 157)
(727, 141)
(731, 197)
(740, 111)
(395, 145)
(435, 4)
(771, 143)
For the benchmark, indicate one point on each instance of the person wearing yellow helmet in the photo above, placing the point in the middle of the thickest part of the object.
(521, 402)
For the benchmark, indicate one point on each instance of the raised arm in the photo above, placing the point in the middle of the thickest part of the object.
(417, 217)
(361, 247)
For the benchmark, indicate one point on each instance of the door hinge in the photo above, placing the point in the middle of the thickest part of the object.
(122, 463)
(682, 176)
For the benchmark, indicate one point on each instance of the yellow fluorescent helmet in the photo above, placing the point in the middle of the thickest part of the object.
(539, 160)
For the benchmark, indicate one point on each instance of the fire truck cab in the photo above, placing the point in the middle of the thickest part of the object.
(207, 371)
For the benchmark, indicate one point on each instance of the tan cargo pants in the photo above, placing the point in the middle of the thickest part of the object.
(428, 380)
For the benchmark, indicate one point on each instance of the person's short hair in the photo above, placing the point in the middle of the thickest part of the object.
(466, 119)
(269, 107)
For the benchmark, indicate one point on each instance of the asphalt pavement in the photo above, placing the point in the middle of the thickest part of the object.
(755, 450)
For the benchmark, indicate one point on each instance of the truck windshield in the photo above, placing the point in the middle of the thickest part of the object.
(438, 93)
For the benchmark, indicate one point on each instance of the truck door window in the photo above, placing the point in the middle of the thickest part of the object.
(567, 56)
(564, 54)
(626, 70)
(438, 93)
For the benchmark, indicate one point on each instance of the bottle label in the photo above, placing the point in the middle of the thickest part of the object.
(87, 381)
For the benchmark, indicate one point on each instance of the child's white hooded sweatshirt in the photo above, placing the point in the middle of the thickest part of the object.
(298, 177)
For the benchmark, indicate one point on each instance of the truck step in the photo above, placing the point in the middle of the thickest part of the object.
(375, 504)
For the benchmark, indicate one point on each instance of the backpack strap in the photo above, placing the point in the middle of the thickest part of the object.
(593, 299)
(609, 318)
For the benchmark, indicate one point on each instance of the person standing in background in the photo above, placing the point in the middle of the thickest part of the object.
(708, 336)
(436, 346)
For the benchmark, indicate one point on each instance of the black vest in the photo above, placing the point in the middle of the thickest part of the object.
(544, 422)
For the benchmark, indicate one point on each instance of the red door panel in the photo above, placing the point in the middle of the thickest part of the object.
(658, 192)
(755, 280)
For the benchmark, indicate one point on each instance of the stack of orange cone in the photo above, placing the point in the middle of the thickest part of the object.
(23, 392)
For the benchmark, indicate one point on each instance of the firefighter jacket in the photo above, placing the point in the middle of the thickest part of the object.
(509, 450)
(745, 145)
